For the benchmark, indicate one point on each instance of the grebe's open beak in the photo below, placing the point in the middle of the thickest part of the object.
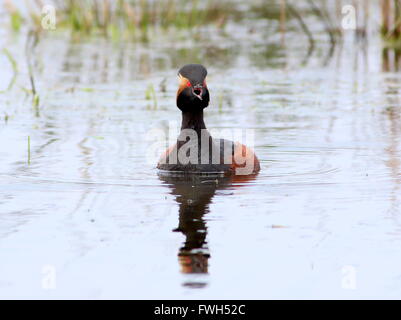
(197, 91)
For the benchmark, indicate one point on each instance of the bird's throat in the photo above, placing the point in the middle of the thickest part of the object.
(193, 120)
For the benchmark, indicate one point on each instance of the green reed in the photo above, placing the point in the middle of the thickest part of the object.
(150, 94)
(391, 22)
(139, 19)
(125, 18)
(14, 67)
(29, 150)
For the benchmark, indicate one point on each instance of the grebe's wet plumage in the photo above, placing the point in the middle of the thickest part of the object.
(192, 98)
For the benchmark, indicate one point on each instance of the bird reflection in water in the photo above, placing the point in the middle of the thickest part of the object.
(194, 193)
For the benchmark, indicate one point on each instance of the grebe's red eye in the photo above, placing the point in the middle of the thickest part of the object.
(188, 84)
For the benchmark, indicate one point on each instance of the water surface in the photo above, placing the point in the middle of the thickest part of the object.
(321, 220)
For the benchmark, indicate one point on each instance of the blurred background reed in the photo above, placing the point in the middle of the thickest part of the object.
(138, 19)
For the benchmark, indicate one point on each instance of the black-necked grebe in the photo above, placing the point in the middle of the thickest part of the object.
(196, 151)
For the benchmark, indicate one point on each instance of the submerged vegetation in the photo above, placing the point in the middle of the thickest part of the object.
(29, 150)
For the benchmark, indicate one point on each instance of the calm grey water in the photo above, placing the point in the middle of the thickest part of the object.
(90, 217)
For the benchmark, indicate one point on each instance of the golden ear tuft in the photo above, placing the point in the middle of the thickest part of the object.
(183, 83)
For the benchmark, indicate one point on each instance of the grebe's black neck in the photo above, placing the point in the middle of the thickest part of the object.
(193, 120)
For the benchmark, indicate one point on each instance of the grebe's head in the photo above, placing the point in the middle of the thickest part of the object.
(192, 94)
